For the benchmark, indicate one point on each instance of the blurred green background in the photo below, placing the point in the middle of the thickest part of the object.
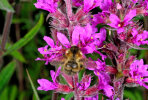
(25, 36)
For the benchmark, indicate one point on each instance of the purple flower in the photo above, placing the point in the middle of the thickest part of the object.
(105, 5)
(51, 53)
(92, 98)
(96, 66)
(55, 75)
(47, 85)
(62, 99)
(49, 5)
(98, 18)
(77, 3)
(139, 72)
(85, 82)
(134, 1)
(54, 48)
(84, 38)
(140, 39)
(103, 77)
(90, 4)
(104, 80)
(119, 24)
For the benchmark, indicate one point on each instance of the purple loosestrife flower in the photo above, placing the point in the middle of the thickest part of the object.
(51, 53)
(77, 3)
(99, 18)
(90, 4)
(134, 1)
(62, 99)
(103, 78)
(105, 5)
(49, 5)
(47, 85)
(85, 83)
(92, 98)
(139, 72)
(84, 38)
(140, 39)
(120, 24)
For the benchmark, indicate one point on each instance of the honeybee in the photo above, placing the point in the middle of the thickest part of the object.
(72, 61)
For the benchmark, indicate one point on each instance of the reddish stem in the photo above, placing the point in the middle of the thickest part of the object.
(6, 29)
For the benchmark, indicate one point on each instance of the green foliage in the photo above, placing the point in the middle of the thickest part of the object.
(17, 55)
(32, 85)
(4, 5)
(30, 35)
(133, 94)
(4, 94)
(81, 74)
(9, 93)
(13, 93)
(69, 96)
(6, 74)
(28, 17)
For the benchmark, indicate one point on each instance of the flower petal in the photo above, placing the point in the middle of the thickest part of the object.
(49, 41)
(63, 39)
(43, 50)
(88, 4)
(114, 21)
(130, 15)
(45, 85)
(75, 35)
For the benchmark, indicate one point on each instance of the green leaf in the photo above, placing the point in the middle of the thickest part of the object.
(17, 55)
(69, 96)
(81, 74)
(4, 5)
(6, 74)
(22, 95)
(33, 87)
(62, 79)
(138, 96)
(30, 35)
(142, 54)
(129, 95)
(13, 93)
(4, 94)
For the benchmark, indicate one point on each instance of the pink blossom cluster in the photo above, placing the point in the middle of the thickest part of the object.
(74, 25)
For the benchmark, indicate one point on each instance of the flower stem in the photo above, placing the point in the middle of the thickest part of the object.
(119, 88)
(6, 29)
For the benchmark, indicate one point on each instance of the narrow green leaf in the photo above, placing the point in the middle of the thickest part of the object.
(6, 74)
(4, 94)
(13, 93)
(4, 5)
(30, 35)
(17, 55)
(69, 96)
(33, 87)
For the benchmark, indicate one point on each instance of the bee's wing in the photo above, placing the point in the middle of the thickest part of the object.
(89, 64)
(58, 61)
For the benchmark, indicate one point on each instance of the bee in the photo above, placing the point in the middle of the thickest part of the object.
(72, 61)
